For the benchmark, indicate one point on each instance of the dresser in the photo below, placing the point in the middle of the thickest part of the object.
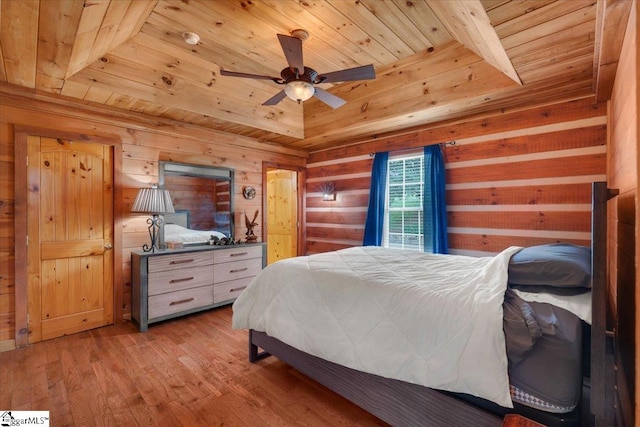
(174, 282)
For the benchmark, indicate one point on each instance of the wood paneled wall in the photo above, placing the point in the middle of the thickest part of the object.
(624, 213)
(515, 178)
(145, 141)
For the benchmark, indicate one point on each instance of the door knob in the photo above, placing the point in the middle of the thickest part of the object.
(108, 246)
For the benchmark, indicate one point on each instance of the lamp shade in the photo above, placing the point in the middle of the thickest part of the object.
(153, 200)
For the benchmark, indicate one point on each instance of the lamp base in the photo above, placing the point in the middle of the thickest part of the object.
(154, 227)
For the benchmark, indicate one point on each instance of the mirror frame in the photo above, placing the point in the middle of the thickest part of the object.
(201, 171)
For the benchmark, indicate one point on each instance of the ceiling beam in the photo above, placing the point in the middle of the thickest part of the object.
(611, 23)
(468, 22)
(105, 25)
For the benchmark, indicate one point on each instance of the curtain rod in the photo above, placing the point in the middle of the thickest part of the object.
(443, 144)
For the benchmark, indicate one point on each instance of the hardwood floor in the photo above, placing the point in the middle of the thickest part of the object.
(189, 371)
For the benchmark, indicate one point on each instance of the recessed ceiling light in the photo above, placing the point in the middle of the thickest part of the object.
(190, 38)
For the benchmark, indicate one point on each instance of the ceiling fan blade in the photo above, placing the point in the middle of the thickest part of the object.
(328, 98)
(246, 75)
(292, 48)
(365, 72)
(275, 99)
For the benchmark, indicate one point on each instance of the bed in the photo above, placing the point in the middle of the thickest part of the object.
(389, 371)
(176, 230)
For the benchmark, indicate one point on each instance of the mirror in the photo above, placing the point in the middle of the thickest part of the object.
(203, 200)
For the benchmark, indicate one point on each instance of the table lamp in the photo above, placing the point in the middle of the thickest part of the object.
(154, 201)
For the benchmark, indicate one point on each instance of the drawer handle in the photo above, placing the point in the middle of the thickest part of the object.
(239, 254)
(237, 289)
(182, 301)
(239, 270)
(181, 261)
(186, 279)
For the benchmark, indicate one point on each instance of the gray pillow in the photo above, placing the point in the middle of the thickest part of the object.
(557, 264)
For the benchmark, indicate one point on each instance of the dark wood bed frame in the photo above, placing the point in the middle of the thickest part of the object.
(403, 404)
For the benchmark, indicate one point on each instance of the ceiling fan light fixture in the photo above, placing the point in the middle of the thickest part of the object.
(299, 90)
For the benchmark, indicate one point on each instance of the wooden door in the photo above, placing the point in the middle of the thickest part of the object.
(70, 237)
(282, 214)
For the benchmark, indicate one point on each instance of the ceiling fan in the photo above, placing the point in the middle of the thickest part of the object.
(299, 80)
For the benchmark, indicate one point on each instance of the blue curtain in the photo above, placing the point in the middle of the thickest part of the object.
(434, 204)
(375, 214)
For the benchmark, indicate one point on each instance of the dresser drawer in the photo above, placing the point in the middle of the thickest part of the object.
(236, 270)
(174, 302)
(175, 280)
(226, 291)
(177, 261)
(236, 254)
(172, 283)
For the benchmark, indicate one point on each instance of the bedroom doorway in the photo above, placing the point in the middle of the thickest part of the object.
(70, 236)
(283, 212)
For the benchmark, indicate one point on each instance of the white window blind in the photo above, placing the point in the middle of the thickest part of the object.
(403, 210)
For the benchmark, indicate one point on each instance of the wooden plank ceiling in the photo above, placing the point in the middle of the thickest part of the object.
(435, 60)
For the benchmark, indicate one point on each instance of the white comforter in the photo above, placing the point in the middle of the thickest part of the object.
(434, 320)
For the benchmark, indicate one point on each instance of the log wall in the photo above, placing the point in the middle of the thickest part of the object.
(514, 178)
(145, 142)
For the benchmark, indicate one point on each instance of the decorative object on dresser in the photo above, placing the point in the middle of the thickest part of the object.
(224, 241)
(173, 283)
(153, 201)
(251, 237)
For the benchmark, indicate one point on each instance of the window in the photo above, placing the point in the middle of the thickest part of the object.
(407, 206)
(403, 223)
